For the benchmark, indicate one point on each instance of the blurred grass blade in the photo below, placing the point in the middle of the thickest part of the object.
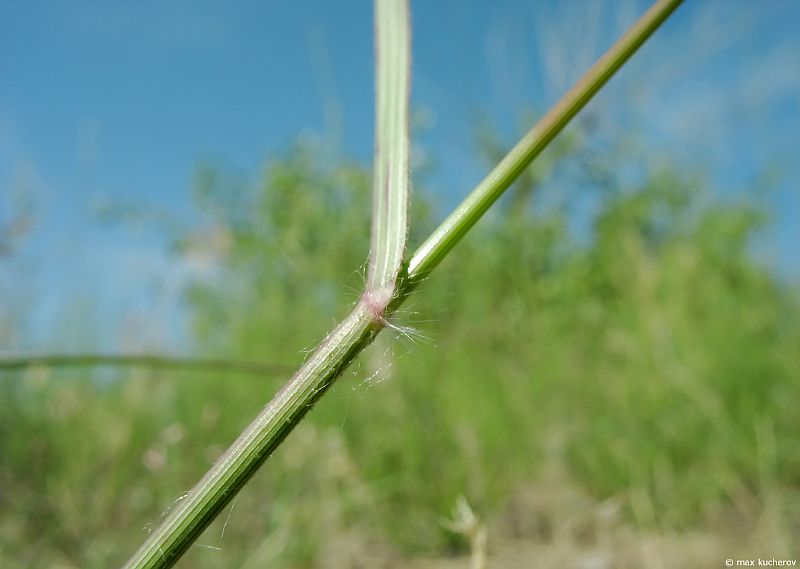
(152, 361)
(191, 516)
(391, 166)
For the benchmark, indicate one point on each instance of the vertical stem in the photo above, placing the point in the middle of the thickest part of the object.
(391, 165)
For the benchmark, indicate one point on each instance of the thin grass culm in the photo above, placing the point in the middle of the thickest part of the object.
(389, 280)
(146, 361)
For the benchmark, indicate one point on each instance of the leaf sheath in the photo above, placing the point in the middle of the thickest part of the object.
(391, 166)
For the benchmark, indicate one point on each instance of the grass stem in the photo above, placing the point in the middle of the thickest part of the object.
(169, 541)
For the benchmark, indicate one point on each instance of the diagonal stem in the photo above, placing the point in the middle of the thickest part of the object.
(459, 222)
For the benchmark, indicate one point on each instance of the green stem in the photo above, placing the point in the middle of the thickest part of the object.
(168, 542)
(390, 178)
(234, 468)
(152, 361)
(459, 222)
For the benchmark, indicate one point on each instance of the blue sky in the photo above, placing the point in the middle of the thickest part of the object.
(118, 102)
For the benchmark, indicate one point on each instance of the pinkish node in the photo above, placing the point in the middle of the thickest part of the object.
(376, 302)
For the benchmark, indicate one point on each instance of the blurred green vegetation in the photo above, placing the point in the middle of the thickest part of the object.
(654, 363)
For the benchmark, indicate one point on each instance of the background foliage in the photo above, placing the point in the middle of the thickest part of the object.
(640, 374)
